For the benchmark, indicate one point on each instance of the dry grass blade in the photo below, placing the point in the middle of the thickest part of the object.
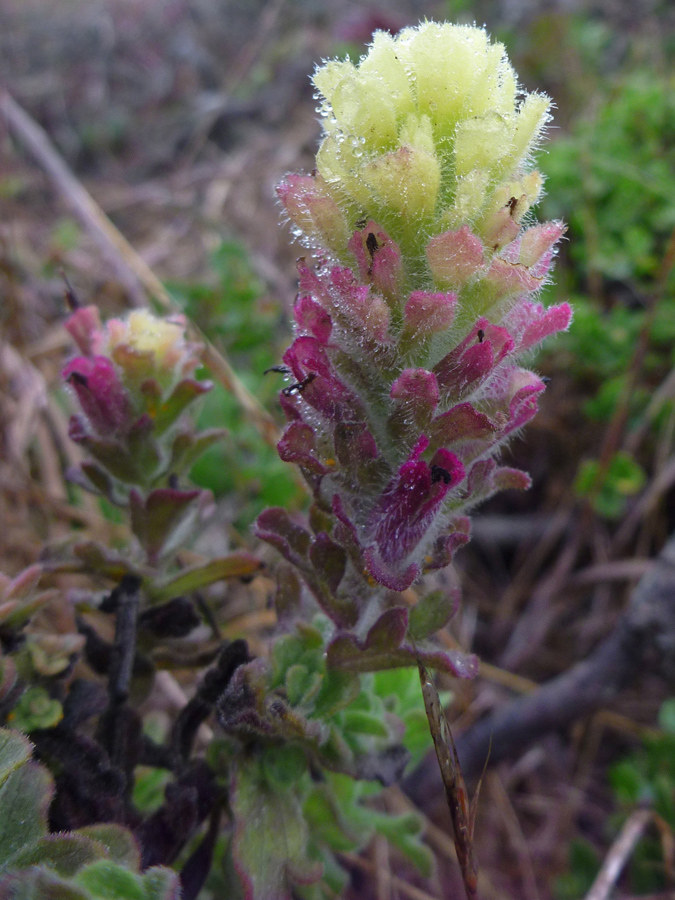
(618, 854)
(455, 790)
(403, 888)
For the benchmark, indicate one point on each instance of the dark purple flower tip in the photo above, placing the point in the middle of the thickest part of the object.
(405, 512)
(313, 319)
(102, 397)
(84, 326)
(474, 358)
(427, 313)
(378, 258)
(447, 467)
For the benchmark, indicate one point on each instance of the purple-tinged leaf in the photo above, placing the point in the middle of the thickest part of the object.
(96, 479)
(428, 313)
(548, 322)
(405, 511)
(90, 556)
(365, 309)
(184, 393)
(455, 257)
(510, 279)
(15, 750)
(347, 654)
(313, 319)
(291, 540)
(506, 479)
(474, 358)
(187, 447)
(396, 580)
(307, 200)
(479, 480)
(355, 446)
(63, 853)
(447, 545)
(321, 388)
(23, 583)
(415, 386)
(119, 843)
(524, 388)
(110, 453)
(501, 228)
(388, 630)
(25, 796)
(162, 519)
(298, 445)
(329, 561)
(461, 423)
(288, 596)
(534, 248)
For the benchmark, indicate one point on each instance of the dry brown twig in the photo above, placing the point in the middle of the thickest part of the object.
(462, 812)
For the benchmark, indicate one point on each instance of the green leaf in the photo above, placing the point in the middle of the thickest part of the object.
(283, 766)
(24, 799)
(270, 840)
(15, 750)
(119, 843)
(431, 613)
(161, 883)
(667, 716)
(36, 709)
(301, 684)
(65, 853)
(364, 723)
(236, 565)
(108, 881)
(338, 689)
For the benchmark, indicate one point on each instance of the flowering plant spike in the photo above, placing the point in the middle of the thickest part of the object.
(405, 367)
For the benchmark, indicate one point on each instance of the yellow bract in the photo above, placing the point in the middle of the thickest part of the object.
(423, 131)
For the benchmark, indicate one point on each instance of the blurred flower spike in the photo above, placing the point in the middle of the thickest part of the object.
(133, 382)
(410, 328)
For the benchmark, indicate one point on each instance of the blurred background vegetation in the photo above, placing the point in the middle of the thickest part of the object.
(179, 116)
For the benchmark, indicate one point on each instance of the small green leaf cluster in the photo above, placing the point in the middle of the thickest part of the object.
(609, 490)
(611, 180)
(98, 862)
(350, 729)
